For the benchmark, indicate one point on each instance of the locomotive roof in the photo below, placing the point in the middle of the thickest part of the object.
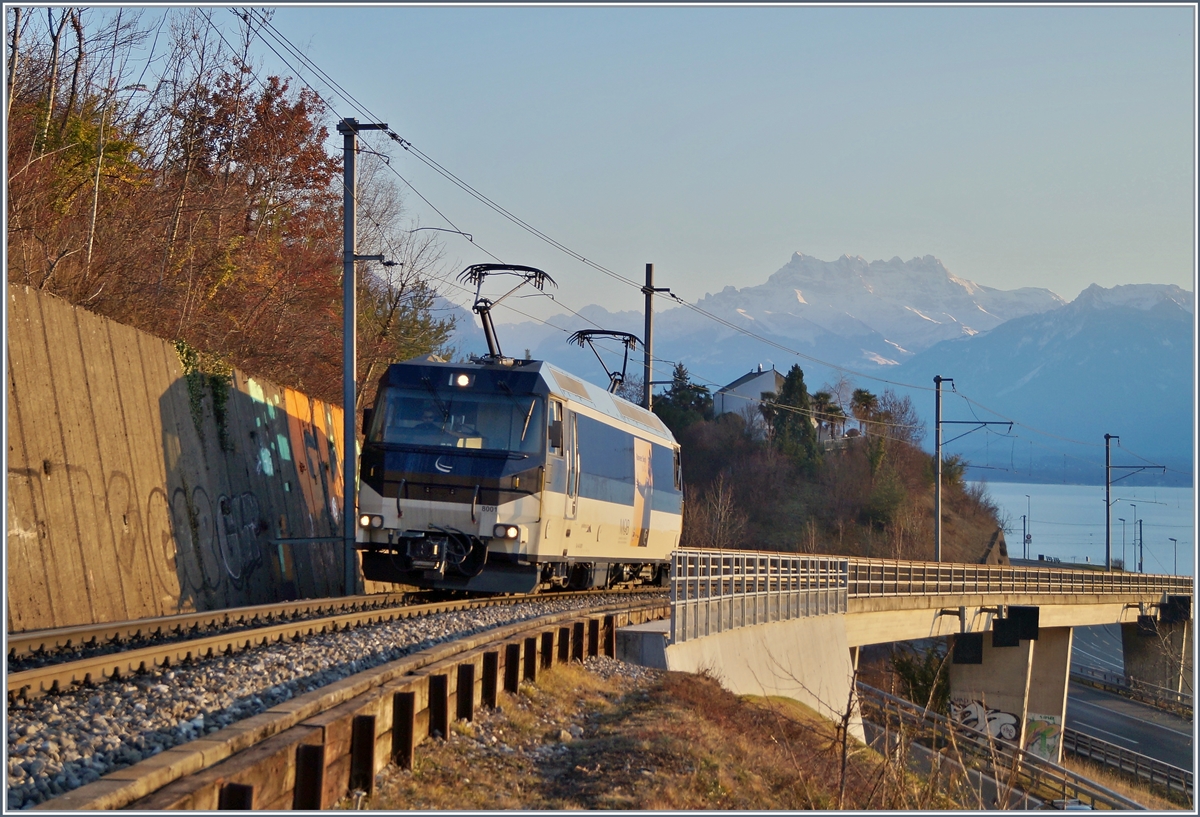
(562, 383)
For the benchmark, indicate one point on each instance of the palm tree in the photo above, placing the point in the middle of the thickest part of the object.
(864, 405)
(837, 420)
(822, 401)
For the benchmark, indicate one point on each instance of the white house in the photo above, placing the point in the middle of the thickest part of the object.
(744, 395)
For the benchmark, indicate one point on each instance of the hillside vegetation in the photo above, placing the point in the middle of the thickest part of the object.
(157, 178)
(835, 471)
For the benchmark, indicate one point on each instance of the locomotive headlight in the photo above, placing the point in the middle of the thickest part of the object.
(461, 379)
(506, 531)
(370, 520)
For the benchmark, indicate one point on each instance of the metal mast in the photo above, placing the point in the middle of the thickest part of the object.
(349, 129)
(937, 491)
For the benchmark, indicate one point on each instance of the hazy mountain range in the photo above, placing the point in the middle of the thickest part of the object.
(1115, 361)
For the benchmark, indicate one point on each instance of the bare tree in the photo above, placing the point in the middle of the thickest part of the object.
(714, 520)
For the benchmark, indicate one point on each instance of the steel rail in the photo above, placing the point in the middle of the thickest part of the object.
(39, 681)
(35, 642)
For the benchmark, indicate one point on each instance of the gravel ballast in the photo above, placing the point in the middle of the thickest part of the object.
(57, 743)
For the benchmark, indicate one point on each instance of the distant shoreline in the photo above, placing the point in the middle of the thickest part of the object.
(1149, 480)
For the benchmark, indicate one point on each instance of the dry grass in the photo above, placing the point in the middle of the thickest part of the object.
(667, 741)
(1155, 798)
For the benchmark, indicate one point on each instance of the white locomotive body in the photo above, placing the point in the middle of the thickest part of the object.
(512, 476)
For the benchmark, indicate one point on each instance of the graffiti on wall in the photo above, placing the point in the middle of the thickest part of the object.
(975, 715)
(219, 537)
(1043, 735)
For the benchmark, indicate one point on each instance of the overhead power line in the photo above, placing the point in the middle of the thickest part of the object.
(265, 25)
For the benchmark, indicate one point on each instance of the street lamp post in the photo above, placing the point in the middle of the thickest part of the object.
(1025, 548)
(1124, 566)
(1175, 543)
(1135, 530)
(1141, 548)
(1029, 532)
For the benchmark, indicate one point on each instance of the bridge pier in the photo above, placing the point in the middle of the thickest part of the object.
(1157, 650)
(806, 659)
(1016, 693)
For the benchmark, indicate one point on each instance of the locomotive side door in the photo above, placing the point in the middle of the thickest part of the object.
(571, 435)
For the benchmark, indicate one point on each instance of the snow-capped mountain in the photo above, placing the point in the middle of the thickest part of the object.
(1113, 361)
(849, 312)
(909, 305)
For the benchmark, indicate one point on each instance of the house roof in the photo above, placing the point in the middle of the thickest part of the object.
(746, 378)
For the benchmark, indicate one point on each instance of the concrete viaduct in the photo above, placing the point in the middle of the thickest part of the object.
(792, 625)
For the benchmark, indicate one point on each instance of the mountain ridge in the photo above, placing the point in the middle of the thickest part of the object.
(1110, 359)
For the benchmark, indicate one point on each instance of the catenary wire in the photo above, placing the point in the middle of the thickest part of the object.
(467, 188)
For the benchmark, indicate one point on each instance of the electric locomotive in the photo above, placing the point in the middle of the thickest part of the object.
(512, 476)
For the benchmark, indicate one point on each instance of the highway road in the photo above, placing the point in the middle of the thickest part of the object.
(1130, 725)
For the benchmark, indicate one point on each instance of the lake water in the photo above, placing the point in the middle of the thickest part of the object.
(1067, 522)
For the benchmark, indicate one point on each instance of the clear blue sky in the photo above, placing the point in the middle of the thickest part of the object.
(1023, 146)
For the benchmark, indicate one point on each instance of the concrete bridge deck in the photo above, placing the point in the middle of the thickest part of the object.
(791, 624)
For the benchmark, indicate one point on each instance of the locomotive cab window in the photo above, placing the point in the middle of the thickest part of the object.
(459, 419)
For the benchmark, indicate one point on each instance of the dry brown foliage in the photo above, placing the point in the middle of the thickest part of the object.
(669, 741)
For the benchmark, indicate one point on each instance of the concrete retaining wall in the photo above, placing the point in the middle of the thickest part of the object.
(806, 659)
(121, 506)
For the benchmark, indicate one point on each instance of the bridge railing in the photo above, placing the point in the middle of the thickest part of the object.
(717, 590)
(887, 577)
(1153, 694)
(1139, 765)
(1003, 760)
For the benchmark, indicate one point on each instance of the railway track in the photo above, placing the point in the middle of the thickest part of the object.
(193, 636)
(35, 647)
(309, 751)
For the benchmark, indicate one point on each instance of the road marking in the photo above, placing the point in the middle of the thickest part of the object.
(1130, 717)
(1101, 661)
(1121, 738)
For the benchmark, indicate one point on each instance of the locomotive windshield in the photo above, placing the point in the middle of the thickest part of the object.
(460, 419)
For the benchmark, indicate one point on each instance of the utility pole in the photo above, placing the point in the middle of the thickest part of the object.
(938, 380)
(1141, 548)
(937, 491)
(1108, 501)
(349, 128)
(648, 367)
(1108, 481)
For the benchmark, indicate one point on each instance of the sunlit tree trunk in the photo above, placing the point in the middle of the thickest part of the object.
(13, 54)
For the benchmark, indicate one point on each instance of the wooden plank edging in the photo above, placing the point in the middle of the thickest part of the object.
(192, 775)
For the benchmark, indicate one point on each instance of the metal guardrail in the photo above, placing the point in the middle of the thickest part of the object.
(888, 577)
(1145, 768)
(1003, 760)
(717, 590)
(1158, 696)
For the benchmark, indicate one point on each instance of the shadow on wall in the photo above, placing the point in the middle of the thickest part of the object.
(248, 463)
(136, 490)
